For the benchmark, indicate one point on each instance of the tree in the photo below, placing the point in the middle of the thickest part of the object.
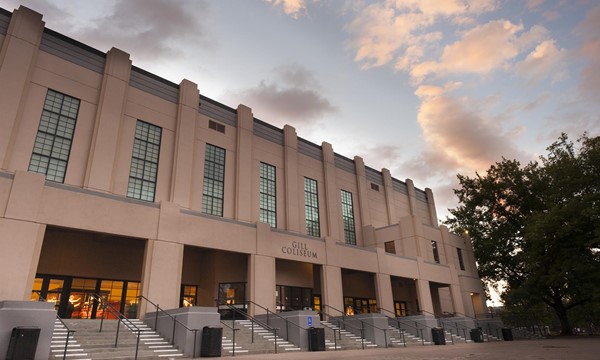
(537, 227)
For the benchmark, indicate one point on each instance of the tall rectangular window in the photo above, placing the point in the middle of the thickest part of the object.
(436, 254)
(214, 180)
(268, 198)
(54, 137)
(311, 207)
(348, 218)
(144, 161)
(461, 261)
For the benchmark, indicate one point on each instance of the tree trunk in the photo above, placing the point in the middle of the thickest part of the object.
(565, 325)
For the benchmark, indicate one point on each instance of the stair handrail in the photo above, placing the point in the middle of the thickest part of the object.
(394, 318)
(401, 323)
(69, 331)
(233, 330)
(343, 321)
(418, 326)
(287, 321)
(175, 322)
(479, 323)
(252, 319)
(128, 323)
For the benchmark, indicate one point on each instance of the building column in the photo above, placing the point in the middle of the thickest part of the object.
(292, 204)
(457, 299)
(243, 169)
(185, 136)
(333, 291)
(261, 283)
(363, 196)
(332, 208)
(431, 207)
(385, 296)
(161, 279)
(424, 296)
(107, 123)
(18, 56)
(388, 188)
(21, 236)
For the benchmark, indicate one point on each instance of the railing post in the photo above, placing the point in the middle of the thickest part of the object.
(102, 319)
(275, 341)
(334, 341)
(252, 322)
(156, 319)
(67, 344)
(422, 337)
(118, 326)
(233, 353)
(173, 337)
(403, 339)
(385, 337)
(362, 337)
(137, 343)
(287, 330)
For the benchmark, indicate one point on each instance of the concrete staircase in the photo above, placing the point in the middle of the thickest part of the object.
(264, 340)
(398, 337)
(345, 340)
(89, 343)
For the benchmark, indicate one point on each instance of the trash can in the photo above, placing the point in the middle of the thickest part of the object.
(23, 343)
(439, 338)
(316, 339)
(212, 337)
(477, 335)
(507, 334)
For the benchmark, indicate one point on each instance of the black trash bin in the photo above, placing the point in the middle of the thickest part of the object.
(23, 343)
(316, 339)
(507, 334)
(439, 338)
(212, 337)
(477, 335)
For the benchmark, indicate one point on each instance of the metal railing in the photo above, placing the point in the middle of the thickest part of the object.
(269, 313)
(402, 323)
(362, 322)
(234, 310)
(175, 323)
(233, 331)
(106, 306)
(69, 331)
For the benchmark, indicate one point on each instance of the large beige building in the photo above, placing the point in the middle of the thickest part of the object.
(116, 181)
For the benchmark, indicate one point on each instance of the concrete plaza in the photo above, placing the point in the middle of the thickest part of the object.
(571, 348)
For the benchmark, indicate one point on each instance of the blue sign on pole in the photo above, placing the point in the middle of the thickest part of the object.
(310, 321)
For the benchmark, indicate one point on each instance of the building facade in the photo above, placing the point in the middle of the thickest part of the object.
(116, 181)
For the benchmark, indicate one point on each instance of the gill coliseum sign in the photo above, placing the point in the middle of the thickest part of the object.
(300, 249)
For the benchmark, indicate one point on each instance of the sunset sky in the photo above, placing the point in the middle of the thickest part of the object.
(427, 89)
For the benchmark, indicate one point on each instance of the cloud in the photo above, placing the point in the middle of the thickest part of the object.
(149, 29)
(589, 84)
(399, 31)
(546, 60)
(291, 99)
(460, 136)
(293, 8)
(532, 4)
(481, 50)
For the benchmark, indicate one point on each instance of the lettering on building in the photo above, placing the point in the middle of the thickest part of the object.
(299, 249)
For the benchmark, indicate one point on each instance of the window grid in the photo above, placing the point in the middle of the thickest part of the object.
(144, 161)
(54, 137)
(268, 199)
(348, 218)
(436, 254)
(461, 261)
(311, 207)
(214, 180)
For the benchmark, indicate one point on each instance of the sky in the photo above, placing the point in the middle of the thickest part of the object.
(425, 88)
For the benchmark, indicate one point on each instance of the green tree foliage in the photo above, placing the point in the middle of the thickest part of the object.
(537, 227)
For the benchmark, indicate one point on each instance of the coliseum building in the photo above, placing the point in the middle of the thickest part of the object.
(116, 181)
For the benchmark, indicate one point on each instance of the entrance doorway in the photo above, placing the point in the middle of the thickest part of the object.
(73, 297)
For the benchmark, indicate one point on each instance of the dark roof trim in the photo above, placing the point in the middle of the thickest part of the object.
(74, 42)
(155, 77)
(216, 103)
